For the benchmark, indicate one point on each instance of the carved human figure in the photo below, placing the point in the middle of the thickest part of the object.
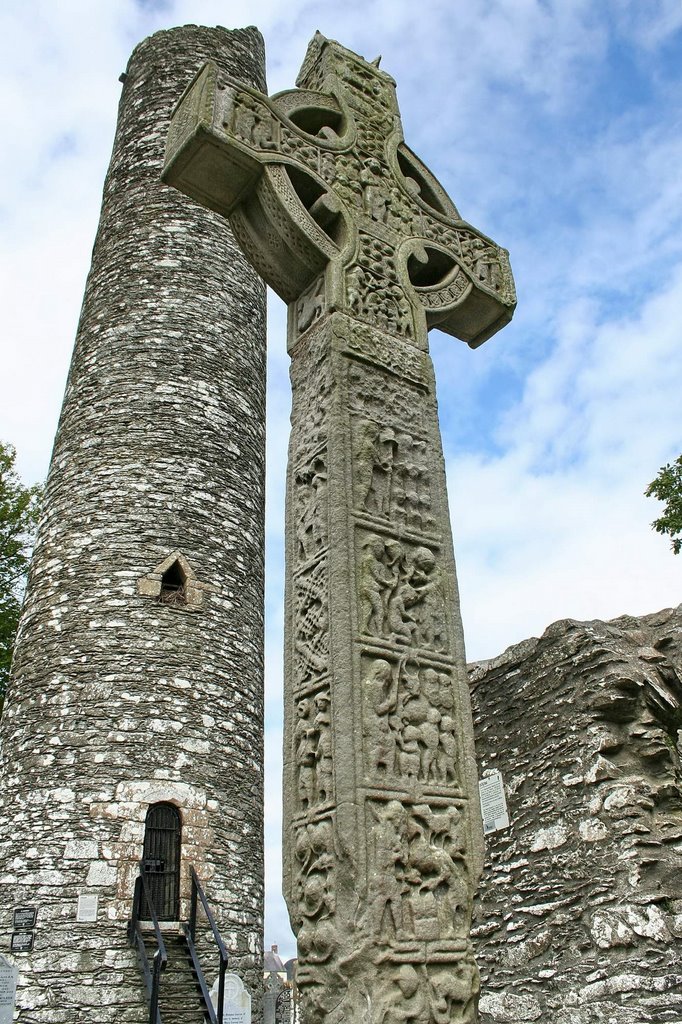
(402, 596)
(447, 751)
(409, 752)
(485, 263)
(403, 312)
(421, 510)
(323, 747)
(379, 498)
(429, 599)
(428, 866)
(263, 132)
(365, 451)
(317, 939)
(319, 490)
(377, 581)
(321, 839)
(380, 695)
(390, 861)
(246, 121)
(316, 901)
(374, 197)
(304, 743)
(304, 514)
(433, 687)
(415, 707)
(454, 841)
(310, 306)
(408, 1001)
(332, 217)
(430, 739)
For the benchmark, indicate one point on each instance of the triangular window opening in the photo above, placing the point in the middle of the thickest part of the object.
(173, 585)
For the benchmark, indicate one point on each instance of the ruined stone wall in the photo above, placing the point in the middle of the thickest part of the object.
(119, 700)
(579, 919)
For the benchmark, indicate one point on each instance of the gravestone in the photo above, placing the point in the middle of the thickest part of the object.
(236, 1000)
(8, 987)
(272, 990)
(383, 836)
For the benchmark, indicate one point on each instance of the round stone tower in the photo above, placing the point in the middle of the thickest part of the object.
(134, 718)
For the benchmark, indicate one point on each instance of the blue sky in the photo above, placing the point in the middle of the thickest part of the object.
(556, 128)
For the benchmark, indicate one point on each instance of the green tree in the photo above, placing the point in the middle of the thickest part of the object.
(19, 509)
(667, 487)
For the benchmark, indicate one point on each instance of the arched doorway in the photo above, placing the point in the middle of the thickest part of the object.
(161, 860)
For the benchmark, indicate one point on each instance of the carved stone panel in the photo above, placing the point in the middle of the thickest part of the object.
(409, 730)
(377, 745)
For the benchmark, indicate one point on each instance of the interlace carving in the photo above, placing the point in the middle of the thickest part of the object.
(311, 507)
(312, 617)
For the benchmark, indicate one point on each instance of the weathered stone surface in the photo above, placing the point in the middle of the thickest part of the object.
(124, 695)
(579, 912)
(382, 829)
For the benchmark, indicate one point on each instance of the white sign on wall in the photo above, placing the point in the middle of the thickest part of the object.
(8, 988)
(87, 907)
(493, 803)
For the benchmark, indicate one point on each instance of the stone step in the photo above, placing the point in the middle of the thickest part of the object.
(180, 999)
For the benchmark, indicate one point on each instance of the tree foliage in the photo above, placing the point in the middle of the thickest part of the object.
(19, 509)
(667, 487)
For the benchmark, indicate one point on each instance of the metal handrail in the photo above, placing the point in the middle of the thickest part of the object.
(190, 934)
(152, 977)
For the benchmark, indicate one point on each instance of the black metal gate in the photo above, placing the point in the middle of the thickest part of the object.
(161, 861)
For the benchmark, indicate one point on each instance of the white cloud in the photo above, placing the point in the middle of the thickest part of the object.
(556, 525)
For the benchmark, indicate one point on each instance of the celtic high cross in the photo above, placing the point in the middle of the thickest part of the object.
(383, 837)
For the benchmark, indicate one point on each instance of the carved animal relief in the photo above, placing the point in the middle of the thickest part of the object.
(382, 835)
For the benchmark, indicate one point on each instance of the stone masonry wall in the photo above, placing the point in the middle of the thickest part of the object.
(118, 700)
(579, 918)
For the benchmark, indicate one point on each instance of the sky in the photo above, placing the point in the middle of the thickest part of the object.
(556, 128)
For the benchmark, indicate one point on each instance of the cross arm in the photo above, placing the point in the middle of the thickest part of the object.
(201, 160)
(230, 148)
(463, 282)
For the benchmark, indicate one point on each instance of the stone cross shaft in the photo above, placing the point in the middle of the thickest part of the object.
(383, 837)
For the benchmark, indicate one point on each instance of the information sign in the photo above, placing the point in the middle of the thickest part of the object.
(87, 907)
(25, 918)
(493, 803)
(21, 942)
